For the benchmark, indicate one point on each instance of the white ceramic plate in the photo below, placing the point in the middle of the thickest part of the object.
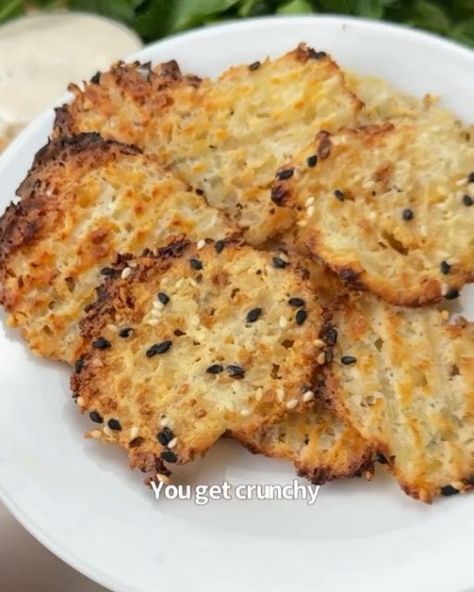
(78, 497)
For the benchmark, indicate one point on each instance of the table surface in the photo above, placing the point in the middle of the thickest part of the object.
(26, 566)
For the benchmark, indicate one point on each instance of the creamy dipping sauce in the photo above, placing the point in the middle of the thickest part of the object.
(41, 54)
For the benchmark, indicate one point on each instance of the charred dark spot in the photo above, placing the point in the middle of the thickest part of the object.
(324, 147)
(279, 195)
(449, 490)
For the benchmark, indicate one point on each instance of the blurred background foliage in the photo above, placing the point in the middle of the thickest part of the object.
(154, 19)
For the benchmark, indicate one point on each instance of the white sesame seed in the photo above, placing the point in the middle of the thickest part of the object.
(308, 396)
(259, 394)
(245, 412)
(107, 431)
(200, 244)
(309, 202)
(445, 315)
(321, 358)
(302, 223)
(172, 443)
(134, 432)
(280, 395)
(133, 264)
(95, 434)
(282, 322)
(162, 478)
(80, 401)
(310, 211)
(461, 182)
(126, 273)
(444, 289)
(158, 304)
(164, 422)
(319, 343)
(283, 257)
(153, 322)
(292, 403)
(179, 283)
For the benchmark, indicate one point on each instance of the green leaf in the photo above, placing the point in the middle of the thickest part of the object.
(429, 15)
(10, 9)
(152, 20)
(189, 13)
(295, 7)
(464, 32)
(122, 10)
(336, 6)
(369, 8)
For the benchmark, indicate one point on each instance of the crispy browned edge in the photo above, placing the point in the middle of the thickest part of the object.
(353, 275)
(23, 221)
(158, 78)
(325, 473)
(160, 259)
(331, 394)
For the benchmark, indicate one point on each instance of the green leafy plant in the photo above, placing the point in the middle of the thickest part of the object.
(154, 19)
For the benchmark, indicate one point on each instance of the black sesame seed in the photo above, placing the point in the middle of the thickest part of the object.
(96, 78)
(253, 315)
(348, 360)
(285, 174)
(408, 214)
(296, 302)
(380, 458)
(96, 417)
(329, 354)
(114, 424)
(159, 348)
(331, 336)
(235, 371)
(279, 263)
(219, 246)
(199, 192)
(215, 369)
(169, 456)
(163, 298)
(108, 271)
(196, 264)
(338, 194)
(470, 178)
(451, 294)
(101, 343)
(165, 436)
(445, 267)
(312, 161)
(448, 490)
(279, 195)
(254, 66)
(316, 55)
(126, 332)
(301, 316)
(79, 365)
(467, 200)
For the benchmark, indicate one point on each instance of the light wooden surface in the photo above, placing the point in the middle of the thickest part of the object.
(26, 566)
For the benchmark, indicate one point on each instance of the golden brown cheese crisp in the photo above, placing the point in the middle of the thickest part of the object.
(192, 343)
(404, 378)
(228, 136)
(84, 200)
(321, 446)
(387, 206)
